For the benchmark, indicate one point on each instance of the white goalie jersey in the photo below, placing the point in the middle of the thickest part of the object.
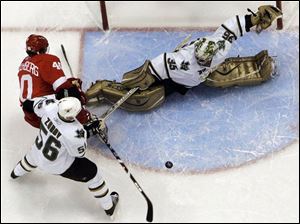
(58, 142)
(191, 64)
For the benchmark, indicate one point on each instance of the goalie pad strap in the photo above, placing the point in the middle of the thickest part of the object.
(140, 77)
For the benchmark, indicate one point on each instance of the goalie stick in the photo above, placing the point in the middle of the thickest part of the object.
(118, 104)
(184, 42)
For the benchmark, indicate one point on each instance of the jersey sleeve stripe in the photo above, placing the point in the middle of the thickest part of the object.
(166, 67)
(155, 72)
(59, 82)
(239, 24)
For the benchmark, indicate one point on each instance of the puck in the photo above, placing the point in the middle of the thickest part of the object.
(169, 164)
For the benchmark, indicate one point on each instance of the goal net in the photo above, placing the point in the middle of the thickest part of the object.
(134, 14)
(185, 14)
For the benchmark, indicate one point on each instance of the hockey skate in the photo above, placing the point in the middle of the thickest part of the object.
(115, 199)
(13, 175)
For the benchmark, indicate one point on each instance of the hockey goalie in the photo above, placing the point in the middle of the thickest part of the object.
(200, 61)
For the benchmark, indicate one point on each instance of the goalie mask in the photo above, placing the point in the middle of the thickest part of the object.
(206, 49)
(68, 108)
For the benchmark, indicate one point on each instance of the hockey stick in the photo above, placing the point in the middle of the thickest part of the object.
(118, 104)
(149, 216)
(184, 42)
(65, 56)
(104, 138)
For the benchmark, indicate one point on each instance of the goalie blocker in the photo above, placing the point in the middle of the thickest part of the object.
(235, 71)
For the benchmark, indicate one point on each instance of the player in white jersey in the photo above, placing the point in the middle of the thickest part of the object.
(191, 64)
(201, 61)
(60, 148)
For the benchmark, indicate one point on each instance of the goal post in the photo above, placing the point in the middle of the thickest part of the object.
(104, 15)
(279, 20)
(186, 14)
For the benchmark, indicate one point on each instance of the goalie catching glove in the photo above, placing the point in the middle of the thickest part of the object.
(264, 17)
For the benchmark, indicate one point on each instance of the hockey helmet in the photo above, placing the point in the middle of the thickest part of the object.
(68, 108)
(36, 44)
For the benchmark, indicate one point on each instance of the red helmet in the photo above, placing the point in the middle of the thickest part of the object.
(36, 43)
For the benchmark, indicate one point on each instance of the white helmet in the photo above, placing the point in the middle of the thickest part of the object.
(69, 108)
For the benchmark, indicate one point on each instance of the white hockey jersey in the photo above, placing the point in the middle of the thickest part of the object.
(182, 66)
(58, 142)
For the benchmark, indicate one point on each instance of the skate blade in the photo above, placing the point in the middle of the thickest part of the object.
(115, 214)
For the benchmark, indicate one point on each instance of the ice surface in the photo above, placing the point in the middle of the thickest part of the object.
(208, 128)
(265, 191)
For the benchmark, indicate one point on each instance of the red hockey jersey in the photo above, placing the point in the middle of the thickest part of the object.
(40, 75)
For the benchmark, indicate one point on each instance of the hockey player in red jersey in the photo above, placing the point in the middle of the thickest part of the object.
(41, 74)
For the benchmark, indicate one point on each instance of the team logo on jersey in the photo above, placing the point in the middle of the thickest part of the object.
(206, 49)
(80, 133)
(201, 71)
(185, 65)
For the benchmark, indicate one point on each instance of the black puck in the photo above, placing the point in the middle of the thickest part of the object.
(169, 164)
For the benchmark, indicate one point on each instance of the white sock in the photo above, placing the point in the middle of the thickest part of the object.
(100, 191)
(23, 167)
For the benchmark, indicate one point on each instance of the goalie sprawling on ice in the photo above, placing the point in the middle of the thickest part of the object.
(201, 61)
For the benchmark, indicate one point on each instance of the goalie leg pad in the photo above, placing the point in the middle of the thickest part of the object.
(111, 92)
(140, 77)
(241, 71)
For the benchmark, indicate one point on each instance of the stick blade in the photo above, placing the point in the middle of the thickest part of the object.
(149, 217)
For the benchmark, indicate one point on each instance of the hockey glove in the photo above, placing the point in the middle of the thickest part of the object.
(72, 87)
(264, 17)
(28, 106)
(95, 126)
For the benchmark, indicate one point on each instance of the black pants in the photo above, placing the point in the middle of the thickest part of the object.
(82, 170)
(170, 86)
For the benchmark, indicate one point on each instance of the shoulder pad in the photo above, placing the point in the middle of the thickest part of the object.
(48, 57)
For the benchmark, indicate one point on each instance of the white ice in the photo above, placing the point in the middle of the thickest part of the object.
(265, 191)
